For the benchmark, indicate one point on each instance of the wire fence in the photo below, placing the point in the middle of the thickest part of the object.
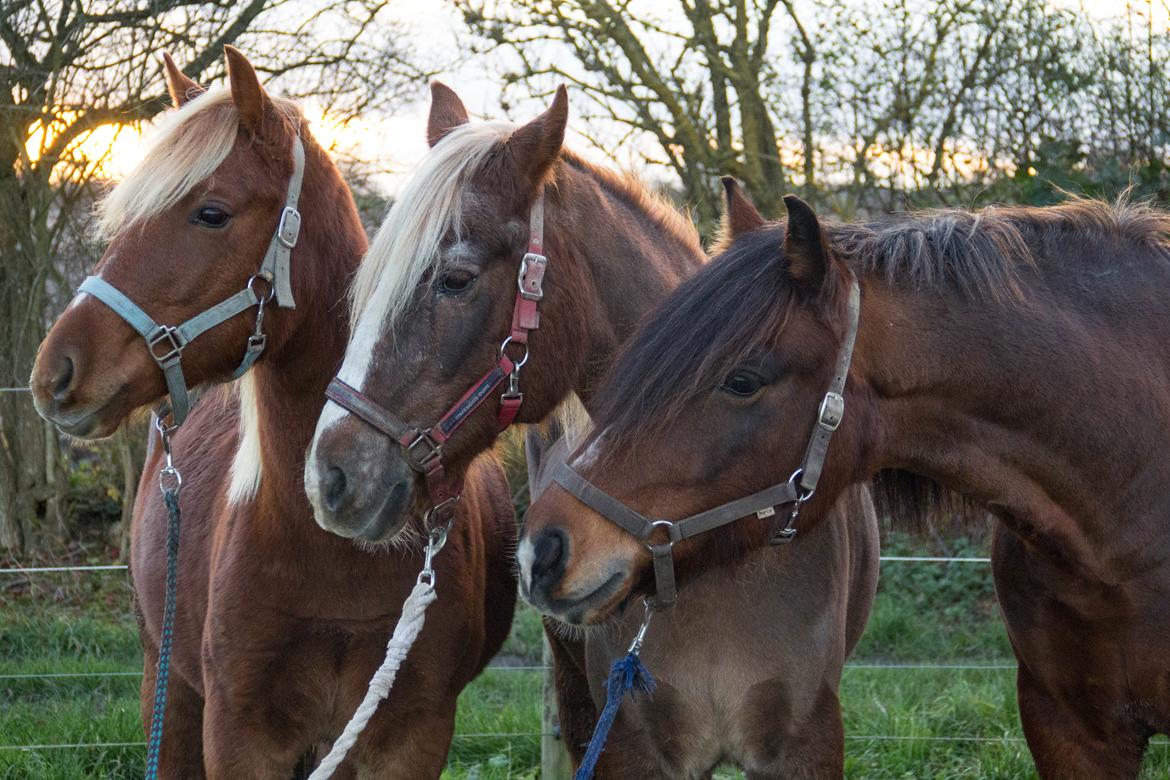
(123, 567)
(49, 677)
(1006, 740)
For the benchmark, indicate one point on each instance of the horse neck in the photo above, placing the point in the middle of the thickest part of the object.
(630, 257)
(290, 381)
(1025, 407)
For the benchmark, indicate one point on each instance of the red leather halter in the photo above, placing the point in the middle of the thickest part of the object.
(424, 446)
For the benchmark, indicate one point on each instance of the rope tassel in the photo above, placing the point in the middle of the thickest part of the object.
(627, 675)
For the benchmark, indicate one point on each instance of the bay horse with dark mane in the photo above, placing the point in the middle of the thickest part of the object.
(1018, 356)
(280, 624)
(498, 214)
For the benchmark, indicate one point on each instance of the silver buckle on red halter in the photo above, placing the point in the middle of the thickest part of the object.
(530, 280)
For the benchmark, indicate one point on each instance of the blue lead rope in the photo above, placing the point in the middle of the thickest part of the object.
(171, 499)
(627, 675)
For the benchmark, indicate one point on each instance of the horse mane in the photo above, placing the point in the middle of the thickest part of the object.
(406, 246)
(627, 188)
(732, 309)
(186, 147)
(981, 254)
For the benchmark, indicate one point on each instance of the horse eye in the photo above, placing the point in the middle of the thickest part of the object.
(211, 216)
(742, 383)
(455, 282)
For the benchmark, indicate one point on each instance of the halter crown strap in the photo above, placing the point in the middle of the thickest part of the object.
(277, 265)
(832, 407)
(530, 279)
(165, 342)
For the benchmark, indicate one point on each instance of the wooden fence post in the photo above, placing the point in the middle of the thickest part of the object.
(554, 756)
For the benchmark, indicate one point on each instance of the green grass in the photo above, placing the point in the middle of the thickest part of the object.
(925, 613)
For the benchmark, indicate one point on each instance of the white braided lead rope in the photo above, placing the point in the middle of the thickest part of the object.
(409, 626)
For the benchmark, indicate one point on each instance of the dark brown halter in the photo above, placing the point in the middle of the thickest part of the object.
(795, 491)
(424, 446)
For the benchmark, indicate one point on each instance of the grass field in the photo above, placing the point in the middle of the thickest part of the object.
(901, 722)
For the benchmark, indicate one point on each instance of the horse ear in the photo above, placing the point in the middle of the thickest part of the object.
(535, 146)
(447, 112)
(179, 85)
(804, 245)
(544, 451)
(739, 215)
(250, 99)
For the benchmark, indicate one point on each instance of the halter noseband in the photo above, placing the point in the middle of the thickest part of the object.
(166, 342)
(424, 446)
(795, 491)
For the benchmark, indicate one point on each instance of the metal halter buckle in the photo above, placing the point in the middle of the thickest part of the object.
(435, 449)
(170, 338)
(534, 291)
(831, 411)
(289, 229)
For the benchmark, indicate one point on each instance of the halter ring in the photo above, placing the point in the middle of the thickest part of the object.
(437, 510)
(262, 299)
(803, 493)
(517, 364)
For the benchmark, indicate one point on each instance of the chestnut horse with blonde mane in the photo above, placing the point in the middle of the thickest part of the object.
(436, 300)
(280, 624)
(1018, 356)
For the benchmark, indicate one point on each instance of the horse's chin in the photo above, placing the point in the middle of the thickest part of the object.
(93, 421)
(603, 604)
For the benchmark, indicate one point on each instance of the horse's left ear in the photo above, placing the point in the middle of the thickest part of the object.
(181, 87)
(536, 145)
(804, 245)
(250, 98)
(739, 214)
(447, 112)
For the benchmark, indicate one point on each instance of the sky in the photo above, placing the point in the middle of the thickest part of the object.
(394, 144)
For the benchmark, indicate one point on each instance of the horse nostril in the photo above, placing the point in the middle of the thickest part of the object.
(548, 557)
(334, 488)
(64, 379)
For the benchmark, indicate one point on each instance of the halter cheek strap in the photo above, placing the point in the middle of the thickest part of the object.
(424, 446)
(166, 343)
(763, 504)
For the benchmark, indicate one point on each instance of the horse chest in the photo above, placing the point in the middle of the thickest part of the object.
(737, 666)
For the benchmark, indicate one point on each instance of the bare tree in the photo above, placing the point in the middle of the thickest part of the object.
(692, 75)
(70, 67)
(866, 105)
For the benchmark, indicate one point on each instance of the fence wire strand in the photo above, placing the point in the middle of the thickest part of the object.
(962, 667)
(123, 567)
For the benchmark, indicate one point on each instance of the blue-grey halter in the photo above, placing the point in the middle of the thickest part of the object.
(166, 342)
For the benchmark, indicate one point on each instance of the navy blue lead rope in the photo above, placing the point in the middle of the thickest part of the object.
(162, 677)
(627, 675)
